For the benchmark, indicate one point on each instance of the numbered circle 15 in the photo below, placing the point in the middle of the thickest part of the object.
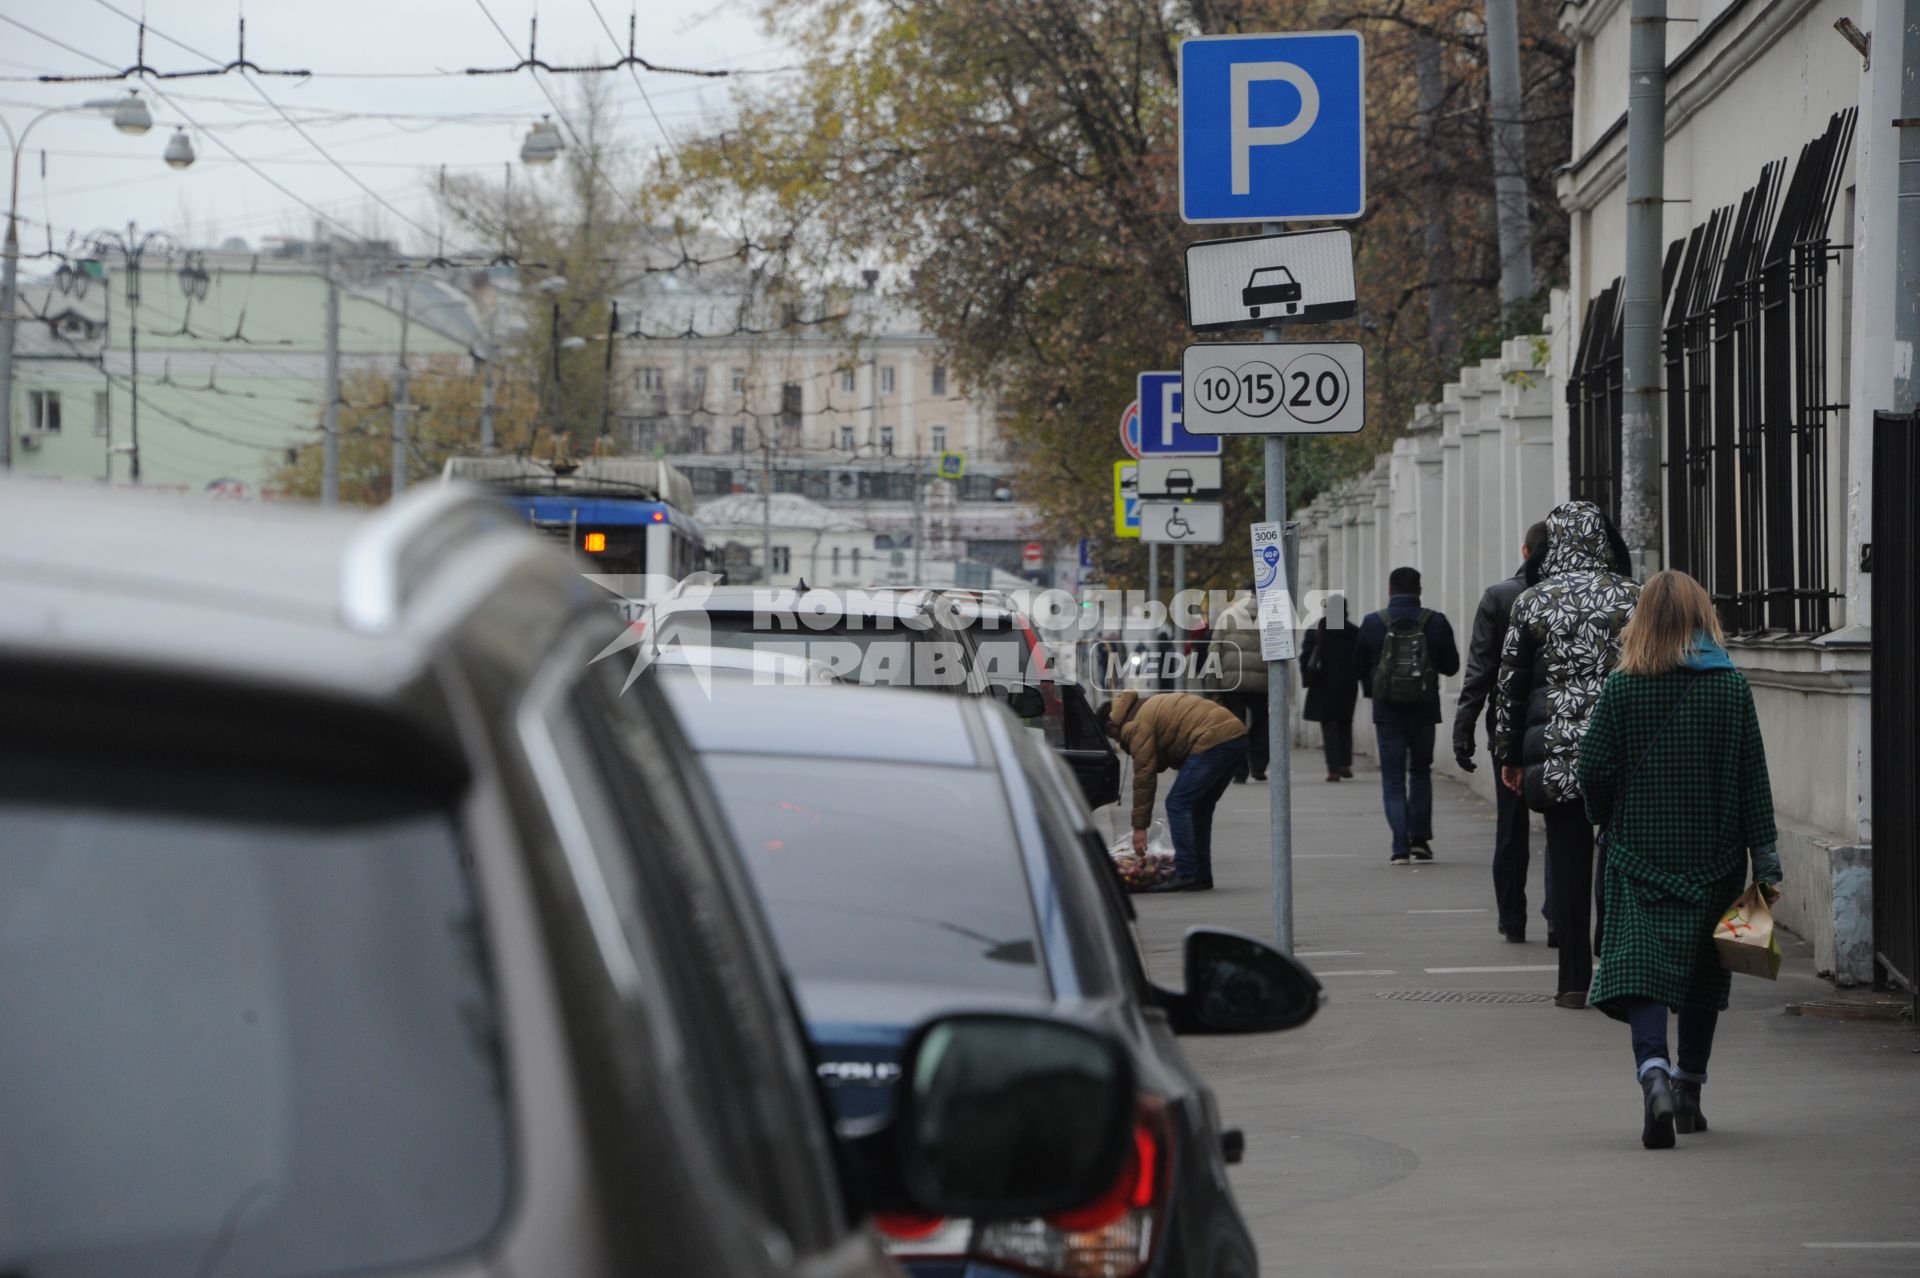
(1315, 388)
(1253, 388)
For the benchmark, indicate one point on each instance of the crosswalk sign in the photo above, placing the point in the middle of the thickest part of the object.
(1126, 499)
(951, 466)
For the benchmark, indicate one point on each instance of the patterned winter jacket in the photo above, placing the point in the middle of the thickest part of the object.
(1562, 641)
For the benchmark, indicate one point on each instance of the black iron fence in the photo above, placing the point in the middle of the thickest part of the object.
(1896, 702)
(1748, 397)
(1595, 400)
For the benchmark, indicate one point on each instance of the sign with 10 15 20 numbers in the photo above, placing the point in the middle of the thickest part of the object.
(1275, 388)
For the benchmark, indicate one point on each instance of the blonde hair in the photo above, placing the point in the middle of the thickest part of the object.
(1673, 608)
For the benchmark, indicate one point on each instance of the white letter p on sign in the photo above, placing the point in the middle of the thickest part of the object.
(1245, 136)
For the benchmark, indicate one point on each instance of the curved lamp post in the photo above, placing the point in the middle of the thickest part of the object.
(130, 116)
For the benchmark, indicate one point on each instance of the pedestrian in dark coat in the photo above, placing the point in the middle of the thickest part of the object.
(1562, 642)
(1673, 768)
(1327, 656)
(1404, 730)
(1510, 850)
(1241, 684)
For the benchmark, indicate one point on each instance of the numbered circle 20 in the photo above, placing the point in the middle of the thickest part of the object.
(1315, 388)
(1253, 388)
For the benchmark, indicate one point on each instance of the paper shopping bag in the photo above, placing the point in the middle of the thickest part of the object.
(1745, 939)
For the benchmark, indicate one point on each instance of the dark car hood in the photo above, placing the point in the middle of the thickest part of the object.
(858, 1029)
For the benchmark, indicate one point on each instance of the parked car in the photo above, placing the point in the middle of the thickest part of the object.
(888, 638)
(925, 854)
(770, 668)
(1014, 657)
(351, 919)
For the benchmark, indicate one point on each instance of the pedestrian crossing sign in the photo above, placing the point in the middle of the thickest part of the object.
(951, 466)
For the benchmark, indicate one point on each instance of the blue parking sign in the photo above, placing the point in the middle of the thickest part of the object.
(1272, 127)
(1162, 422)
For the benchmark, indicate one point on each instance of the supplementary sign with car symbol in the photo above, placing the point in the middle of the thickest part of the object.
(1257, 280)
(1179, 477)
(1272, 127)
(1182, 523)
(1276, 388)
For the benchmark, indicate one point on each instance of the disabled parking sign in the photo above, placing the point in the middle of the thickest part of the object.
(1273, 127)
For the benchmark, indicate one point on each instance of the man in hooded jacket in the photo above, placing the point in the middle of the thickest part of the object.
(1207, 743)
(1563, 640)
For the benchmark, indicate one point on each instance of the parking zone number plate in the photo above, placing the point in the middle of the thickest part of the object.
(1275, 388)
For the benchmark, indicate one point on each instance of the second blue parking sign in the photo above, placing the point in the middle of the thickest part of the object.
(1272, 127)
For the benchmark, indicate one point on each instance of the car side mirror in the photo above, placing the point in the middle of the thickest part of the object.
(1005, 1116)
(1238, 985)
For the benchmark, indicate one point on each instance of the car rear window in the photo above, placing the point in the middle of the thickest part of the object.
(239, 1043)
(877, 653)
(889, 872)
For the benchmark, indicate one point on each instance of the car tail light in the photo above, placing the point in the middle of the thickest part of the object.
(910, 1237)
(1110, 1237)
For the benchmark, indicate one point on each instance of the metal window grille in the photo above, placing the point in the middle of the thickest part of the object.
(1595, 402)
(1747, 399)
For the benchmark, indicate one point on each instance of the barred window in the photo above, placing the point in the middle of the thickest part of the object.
(1748, 398)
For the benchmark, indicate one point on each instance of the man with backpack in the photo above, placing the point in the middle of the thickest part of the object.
(1402, 651)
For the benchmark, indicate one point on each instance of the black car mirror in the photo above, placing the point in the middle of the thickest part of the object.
(1003, 1116)
(1238, 985)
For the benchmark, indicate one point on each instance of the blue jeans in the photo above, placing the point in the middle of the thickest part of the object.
(1406, 777)
(1203, 778)
(1648, 1021)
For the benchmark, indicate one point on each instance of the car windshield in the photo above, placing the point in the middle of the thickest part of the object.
(877, 652)
(898, 873)
(238, 1045)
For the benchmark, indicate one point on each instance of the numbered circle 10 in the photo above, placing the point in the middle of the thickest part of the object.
(1312, 388)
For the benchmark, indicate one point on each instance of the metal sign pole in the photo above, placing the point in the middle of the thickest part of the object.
(1279, 698)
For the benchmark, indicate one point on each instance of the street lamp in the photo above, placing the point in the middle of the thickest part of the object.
(129, 115)
(542, 145)
(179, 152)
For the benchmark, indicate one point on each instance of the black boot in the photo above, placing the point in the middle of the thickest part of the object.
(1656, 1132)
(1687, 1118)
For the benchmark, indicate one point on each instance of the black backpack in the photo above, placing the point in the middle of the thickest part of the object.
(1405, 674)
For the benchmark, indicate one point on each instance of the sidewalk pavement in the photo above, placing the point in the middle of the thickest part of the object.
(1398, 1136)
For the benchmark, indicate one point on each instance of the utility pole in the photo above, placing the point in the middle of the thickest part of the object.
(486, 404)
(917, 523)
(1430, 95)
(1179, 588)
(133, 359)
(766, 508)
(1509, 136)
(1906, 293)
(400, 389)
(1279, 686)
(1640, 348)
(330, 421)
(606, 372)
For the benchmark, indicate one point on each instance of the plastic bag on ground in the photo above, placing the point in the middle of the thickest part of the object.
(1139, 873)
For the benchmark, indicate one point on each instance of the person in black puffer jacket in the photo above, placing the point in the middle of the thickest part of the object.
(1563, 639)
(1510, 850)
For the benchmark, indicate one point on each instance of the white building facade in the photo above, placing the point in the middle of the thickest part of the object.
(1781, 190)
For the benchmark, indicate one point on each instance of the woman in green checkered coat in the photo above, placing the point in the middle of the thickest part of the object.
(1673, 769)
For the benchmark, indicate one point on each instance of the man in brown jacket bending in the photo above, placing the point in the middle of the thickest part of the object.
(1207, 743)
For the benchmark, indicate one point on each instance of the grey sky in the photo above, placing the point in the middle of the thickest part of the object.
(96, 176)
